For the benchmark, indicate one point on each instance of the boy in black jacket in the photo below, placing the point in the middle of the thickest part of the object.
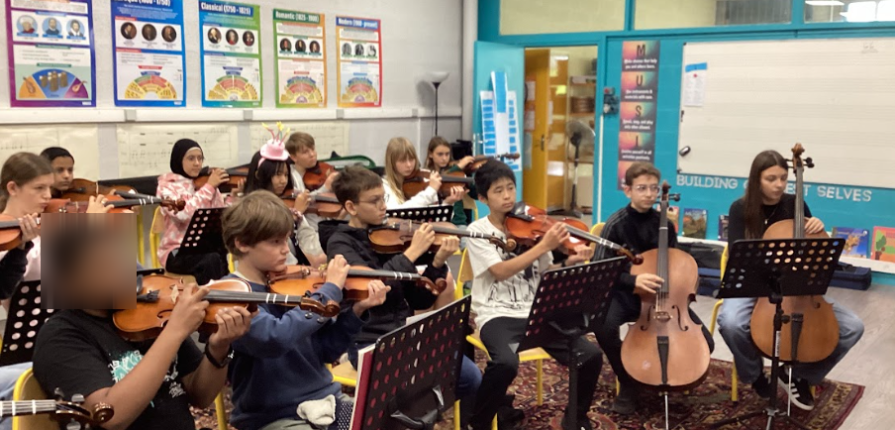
(636, 227)
(361, 193)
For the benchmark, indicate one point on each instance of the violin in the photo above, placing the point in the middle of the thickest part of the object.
(316, 176)
(527, 225)
(237, 174)
(10, 232)
(665, 348)
(119, 204)
(418, 181)
(301, 280)
(159, 293)
(395, 235)
(323, 204)
(479, 160)
(82, 189)
(820, 328)
(63, 412)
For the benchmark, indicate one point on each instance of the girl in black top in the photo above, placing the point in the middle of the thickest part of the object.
(764, 204)
(766, 201)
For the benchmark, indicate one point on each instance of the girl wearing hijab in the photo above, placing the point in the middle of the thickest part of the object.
(186, 164)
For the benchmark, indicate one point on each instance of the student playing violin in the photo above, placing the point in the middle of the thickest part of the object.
(63, 168)
(361, 192)
(438, 159)
(280, 365)
(635, 227)
(503, 289)
(150, 385)
(269, 171)
(765, 203)
(401, 161)
(186, 165)
(303, 153)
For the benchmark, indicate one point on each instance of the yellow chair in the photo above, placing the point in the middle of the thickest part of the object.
(734, 379)
(346, 375)
(155, 236)
(219, 410)
(27, 388)
(141, 240)
(597, 228)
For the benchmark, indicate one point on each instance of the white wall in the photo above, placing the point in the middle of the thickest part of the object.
(418, 36)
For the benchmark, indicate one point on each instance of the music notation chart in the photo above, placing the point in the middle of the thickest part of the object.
(145, 150)
(81, 140)
(328, 136)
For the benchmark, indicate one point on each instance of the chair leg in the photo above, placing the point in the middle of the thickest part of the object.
(734, 384)
(141, 241)
(457, 415)
(715, 310)
(540, 366)
(494, 423)
(219, 410)
(618, 387)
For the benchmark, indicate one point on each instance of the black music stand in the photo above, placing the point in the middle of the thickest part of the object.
(424, 214)
(204, 234)
(414, 372)
(566, 302)
(25, 318)
(778, 268)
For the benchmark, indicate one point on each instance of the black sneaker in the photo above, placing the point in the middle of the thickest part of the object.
(800, 391)
(580, 425)
(763, 387)
(626, 401)
(509, 418)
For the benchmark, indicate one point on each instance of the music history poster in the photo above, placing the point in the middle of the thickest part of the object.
(637, 110)
(50, 49)
(360, 61)
(150, 69)
(231, 54)
(300, 59)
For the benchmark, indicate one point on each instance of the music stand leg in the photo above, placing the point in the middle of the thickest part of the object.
(572, 336)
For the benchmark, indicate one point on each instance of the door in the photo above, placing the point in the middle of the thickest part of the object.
(497, 57)
(538, 117)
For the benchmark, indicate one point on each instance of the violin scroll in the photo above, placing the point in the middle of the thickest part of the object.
(329, 310)
(635, 259)
(507, 246)
(436, 287)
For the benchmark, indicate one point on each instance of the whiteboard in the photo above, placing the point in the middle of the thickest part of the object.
(145, 150)
(328, 136)
(80, 140)
(835, 96)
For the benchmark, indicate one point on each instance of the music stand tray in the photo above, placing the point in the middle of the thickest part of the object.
(566, 301)
(423, 214)
(25, 318)
(414, 372)
(778, 268)
(204, 234)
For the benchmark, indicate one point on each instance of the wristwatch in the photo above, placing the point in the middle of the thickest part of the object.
(214, 361)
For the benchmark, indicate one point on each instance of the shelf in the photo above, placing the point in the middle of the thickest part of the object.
(583, 85)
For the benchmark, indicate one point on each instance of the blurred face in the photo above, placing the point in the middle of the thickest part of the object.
(441, 156)
(501, 197)
(27, 26)
(193, 161)
(773, 184)
(52, 23)
(76, 27)
(643, 192)
(405, 167)
(64, 172)
(306, 158)
(31, 197)
(266, 256)
(105, 255)
(369, 207)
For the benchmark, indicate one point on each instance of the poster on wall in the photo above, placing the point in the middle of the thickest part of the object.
(637, 110)
(300, 58)
(50, 53)
(360, 62)
(231, 54)
(150, 69)
(500, 128)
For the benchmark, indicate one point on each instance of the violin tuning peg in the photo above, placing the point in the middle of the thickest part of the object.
(77, 398)
(58, 394)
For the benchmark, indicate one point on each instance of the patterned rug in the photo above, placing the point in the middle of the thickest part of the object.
(708, 403)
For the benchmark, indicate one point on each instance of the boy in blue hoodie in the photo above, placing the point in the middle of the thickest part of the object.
(279, 366)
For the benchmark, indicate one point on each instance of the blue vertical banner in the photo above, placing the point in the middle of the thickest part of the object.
(230, 48)
(150, 66)
(50, 46)
(500, 126)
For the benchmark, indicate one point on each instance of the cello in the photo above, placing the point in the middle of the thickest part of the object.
(665, 348)
(820, 329)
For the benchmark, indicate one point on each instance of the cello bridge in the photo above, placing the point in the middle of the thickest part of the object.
(663, 316)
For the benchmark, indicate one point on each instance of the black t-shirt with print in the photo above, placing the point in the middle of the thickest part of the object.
(80, 354)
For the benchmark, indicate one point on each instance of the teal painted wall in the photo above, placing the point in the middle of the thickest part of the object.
(831, 203)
